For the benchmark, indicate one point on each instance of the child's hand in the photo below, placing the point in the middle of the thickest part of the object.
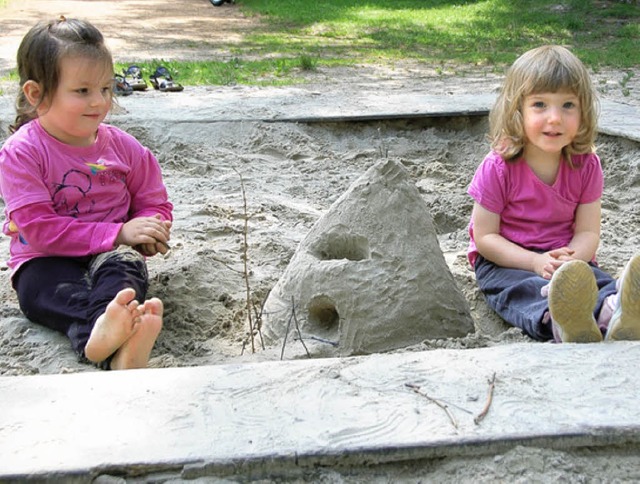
(549, 262)
(543, 265)
(563, 254)
(150, 250)
(148, 235)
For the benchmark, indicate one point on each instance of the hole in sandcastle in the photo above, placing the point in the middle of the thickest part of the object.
(323, 316)
(341, 246)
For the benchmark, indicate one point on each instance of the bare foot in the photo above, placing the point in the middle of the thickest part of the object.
(114, 327)
(135, 351)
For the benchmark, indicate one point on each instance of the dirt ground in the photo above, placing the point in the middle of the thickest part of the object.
(292, 172)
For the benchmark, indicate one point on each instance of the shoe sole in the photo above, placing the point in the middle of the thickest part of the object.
(627, 328)
(572, 298)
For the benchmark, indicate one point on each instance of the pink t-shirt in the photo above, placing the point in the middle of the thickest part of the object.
(70, 201)
(533, 214)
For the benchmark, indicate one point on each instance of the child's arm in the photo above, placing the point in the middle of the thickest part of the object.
(56, 235)
(150, 211)
(495, 248)
(586, 234)
(148, 192)
(40, 227)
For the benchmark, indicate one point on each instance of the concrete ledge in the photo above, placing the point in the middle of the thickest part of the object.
(263, 417)
(619, 120)
(300, 105)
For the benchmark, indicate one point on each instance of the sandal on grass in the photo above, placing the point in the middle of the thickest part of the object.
(134, 77)
(120, 86)
(162, 80)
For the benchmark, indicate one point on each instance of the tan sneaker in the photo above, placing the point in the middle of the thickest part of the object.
(625, 322)
(573, 294)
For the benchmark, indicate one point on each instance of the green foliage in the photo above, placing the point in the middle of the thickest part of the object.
(267, 72)
(308, 63)
(301, 35)
(458, 31)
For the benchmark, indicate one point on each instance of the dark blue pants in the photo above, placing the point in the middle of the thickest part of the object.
(515, 295)
(68, 294)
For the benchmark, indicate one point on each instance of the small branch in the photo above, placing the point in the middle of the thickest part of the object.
(335, 344)
(295, 320)
(439, 403)
(245, 262)
(225, 263)
(258, 320)
(244, 345)
(485, 410)
(292, 317)
(286, 334)
(261, 312)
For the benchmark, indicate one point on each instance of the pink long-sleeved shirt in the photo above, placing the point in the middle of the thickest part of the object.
(70, 201)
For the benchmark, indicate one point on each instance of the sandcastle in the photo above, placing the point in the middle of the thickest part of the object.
(370, 275)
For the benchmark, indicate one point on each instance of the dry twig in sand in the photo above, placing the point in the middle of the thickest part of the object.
(439, 403)
(485, 410)
(245, 261)
(295, 320)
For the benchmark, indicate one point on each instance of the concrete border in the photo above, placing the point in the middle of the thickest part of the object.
(262, 418)
(303, 106)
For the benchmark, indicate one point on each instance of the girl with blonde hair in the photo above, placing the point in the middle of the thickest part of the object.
(535, 225)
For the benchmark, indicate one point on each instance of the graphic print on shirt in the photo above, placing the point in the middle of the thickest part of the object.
(14, 228)
(96, 167)
(83, 192)
(71, 194)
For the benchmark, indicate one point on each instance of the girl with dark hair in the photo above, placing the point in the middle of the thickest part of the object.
(84, 201)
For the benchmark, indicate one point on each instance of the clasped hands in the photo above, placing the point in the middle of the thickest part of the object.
(148, 235)
(546, 263)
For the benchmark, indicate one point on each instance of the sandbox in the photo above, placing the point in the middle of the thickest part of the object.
(294, 160)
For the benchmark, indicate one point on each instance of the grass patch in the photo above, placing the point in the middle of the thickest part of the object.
(452, 35)
(449, 35)
(267, 72)
(489, 32)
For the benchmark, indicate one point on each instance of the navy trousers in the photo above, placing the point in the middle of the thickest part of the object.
(68, 294)
(515, 295)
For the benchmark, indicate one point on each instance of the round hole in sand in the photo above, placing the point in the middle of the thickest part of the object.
(336, 246)
(323, 316)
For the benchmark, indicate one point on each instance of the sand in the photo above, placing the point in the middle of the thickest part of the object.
(291, 173)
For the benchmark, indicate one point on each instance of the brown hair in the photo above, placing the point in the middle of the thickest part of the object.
(39, 57)
(549, 68)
